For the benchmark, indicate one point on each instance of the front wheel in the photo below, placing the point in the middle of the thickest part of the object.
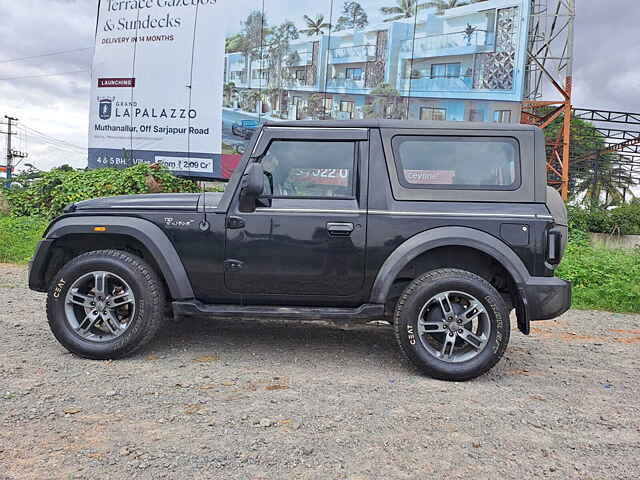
(452, 324)
(105, 304)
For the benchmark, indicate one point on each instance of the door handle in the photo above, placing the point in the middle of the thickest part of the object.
(232, 265)
(340, 229)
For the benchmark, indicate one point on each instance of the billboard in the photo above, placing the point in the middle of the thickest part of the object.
(156, 85)
(226, 66)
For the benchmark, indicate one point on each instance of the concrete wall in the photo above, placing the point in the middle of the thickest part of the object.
(615, 241)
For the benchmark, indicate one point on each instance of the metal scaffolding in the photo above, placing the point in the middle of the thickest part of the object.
(548, 75)
(616, 162)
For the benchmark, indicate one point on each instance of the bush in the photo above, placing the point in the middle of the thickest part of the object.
(48, 195)
(19, 237)
(623, 220)
(578, 225)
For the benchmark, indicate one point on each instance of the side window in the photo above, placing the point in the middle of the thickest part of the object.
(489, 163)
(299, 168)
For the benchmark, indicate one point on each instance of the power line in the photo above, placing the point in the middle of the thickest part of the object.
(45, 75)
(45, 136)
(63, 149)
(59, 145)
(61, 52)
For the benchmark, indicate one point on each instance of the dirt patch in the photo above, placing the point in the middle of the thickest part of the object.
(567, 336)
(239, 400)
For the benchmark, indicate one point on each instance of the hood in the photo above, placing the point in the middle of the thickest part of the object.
(152, 201)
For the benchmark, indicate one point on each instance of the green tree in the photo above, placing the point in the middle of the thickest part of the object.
(353, 17)
(315, 26)
(443, 5)
(403, 9)
(234, 43)
(274, 96)
(315, 107)
(249, 99)
(387, 103)
(277, 50)
(601, 182)
(254, 28)
(229, 91)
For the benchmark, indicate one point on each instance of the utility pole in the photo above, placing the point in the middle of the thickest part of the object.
(11, 154)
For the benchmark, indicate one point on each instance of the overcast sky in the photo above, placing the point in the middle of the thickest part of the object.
(606, 68)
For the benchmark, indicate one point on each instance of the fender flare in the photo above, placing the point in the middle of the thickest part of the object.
(146, 232)
(441, 237)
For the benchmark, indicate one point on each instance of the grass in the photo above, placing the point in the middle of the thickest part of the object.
(19, 237)
(603, 279)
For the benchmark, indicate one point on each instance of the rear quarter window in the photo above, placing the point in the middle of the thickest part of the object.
(444, 162)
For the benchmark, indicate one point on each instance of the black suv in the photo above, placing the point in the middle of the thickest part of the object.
(442, 229)
(244, 128)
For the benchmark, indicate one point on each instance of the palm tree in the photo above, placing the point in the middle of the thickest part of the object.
(229, 91)
(250, 99)
(603, 183)
(443, 5)
(315, 26)
(403, 9)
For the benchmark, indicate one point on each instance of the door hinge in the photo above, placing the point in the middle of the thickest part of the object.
(232, 265)
(235, 222)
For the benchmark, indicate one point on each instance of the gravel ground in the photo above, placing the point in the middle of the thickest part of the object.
(254, 400)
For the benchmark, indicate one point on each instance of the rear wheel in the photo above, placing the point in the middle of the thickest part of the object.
(452, 324)
(105, 304)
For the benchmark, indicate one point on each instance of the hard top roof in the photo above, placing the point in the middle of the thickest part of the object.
(440, 125)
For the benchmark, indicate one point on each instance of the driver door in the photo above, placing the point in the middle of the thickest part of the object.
(307, 234)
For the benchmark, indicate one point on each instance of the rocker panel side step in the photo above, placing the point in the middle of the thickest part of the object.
(366, 312)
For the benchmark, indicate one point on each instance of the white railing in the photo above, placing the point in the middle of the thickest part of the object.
(341, 82)
(301, 59)
(356, 52)
(430, 43)
(438, 84)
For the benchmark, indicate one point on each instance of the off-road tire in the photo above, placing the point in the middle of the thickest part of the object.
(147, 288)
(425, 287)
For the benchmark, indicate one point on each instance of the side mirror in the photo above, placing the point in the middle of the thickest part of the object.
(251, 187)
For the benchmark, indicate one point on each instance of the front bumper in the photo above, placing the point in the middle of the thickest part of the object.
(545, 297)
(38, 265)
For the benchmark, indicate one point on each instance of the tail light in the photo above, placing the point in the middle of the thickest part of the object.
(554, 246)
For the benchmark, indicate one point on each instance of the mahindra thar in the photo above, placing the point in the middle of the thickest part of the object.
(441, 229)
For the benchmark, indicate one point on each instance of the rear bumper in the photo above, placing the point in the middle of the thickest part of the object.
(38, 266)
(546, 297)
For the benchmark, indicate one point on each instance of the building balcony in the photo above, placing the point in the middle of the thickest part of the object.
(238, 82)
(238, 66)
(354, 54)
(441, 45)
(259, 64)
(295, 84)
(259, 83)
(440, 84)
(299, 59)
(345, 83)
